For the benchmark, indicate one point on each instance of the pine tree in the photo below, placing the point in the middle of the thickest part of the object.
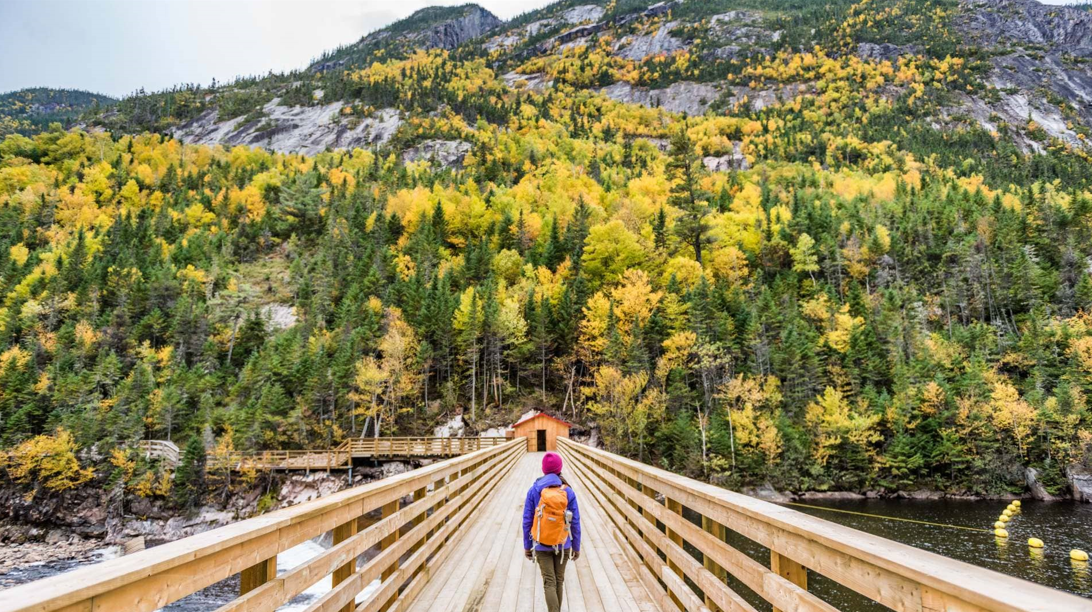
(189, 479)
(686, 170)
(554, 252)
(659, 229)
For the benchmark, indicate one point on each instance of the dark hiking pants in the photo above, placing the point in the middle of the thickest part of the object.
(552, 565)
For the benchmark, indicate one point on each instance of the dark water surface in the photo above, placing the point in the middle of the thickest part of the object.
(1062, 526)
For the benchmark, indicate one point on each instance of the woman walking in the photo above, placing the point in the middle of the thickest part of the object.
(551, 528)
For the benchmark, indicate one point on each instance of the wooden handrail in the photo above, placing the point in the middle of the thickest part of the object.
(639, 499)
(160, 449)
(413, 538)
(340, 457)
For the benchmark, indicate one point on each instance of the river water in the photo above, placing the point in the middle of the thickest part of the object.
(1062, 526)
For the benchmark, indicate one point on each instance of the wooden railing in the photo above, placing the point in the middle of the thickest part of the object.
(160, 449)
(341, 456)
(420, 447)
(326, 459)
(413, 536)
(674, 531)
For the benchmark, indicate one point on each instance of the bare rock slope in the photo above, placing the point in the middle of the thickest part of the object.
(294, 129)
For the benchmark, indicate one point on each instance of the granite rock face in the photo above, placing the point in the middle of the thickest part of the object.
(682, 97)
(474, 23)
(445, 153)
(1035, 49)
(660, 42)
(1026, 21)
(296, 129)
(885, 52)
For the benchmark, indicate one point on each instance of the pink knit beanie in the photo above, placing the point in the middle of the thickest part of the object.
(551, 463)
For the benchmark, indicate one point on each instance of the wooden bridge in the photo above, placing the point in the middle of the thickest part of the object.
(338, 458)
(446, 538)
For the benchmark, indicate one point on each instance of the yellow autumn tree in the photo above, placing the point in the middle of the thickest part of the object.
(623, 407)
(841, 428)
(1012, 414)
(48, 461)
(753, 412)
(397, 364)
(368, 381)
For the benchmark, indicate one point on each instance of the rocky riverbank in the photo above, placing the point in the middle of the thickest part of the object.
(1079, 490)
(54, 533)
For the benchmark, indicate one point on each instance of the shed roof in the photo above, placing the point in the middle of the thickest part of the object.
(541, 414)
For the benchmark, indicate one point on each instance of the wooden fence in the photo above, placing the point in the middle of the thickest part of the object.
(161, 449)
(412, 535)
(674, 531)
(421, 447)
(341, 456)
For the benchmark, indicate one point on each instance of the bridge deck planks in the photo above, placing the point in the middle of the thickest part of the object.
(486, 570)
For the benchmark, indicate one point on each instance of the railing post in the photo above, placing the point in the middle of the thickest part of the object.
(418, 495)
(675, 507)
(343, 532)
(258, 574)
(790, 570)
(389, 509)
(718, 531)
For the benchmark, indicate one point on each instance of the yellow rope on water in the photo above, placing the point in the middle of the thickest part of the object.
(889, 518)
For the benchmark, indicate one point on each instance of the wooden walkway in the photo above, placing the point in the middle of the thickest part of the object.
(448, 540)
(486, 569)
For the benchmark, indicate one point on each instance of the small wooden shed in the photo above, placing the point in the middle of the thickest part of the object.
(541, 431)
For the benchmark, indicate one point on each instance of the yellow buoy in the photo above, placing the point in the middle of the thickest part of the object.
(1035, 543)
(1001, 533)
(1016, 503)
(1006, 512)
(1004, 518)
(1078, 555)
(999, 525)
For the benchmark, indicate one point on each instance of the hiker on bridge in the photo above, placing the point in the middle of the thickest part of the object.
(551, 528)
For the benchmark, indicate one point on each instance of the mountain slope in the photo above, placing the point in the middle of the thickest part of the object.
(692, 57)
(840, 245)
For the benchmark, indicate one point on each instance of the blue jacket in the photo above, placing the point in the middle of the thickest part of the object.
(529, 506)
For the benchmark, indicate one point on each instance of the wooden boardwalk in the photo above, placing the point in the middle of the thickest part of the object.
(486, 569)
(449, 540)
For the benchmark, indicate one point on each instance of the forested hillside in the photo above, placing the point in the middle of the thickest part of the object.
(29, 111)
(834, 276)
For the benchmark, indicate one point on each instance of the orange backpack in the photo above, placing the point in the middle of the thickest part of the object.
(552, 516)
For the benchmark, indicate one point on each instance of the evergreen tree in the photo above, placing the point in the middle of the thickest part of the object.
(189, 478)
(686, 170)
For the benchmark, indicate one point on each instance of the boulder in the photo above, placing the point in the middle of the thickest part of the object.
(885, 51)
(1080, 483)
(1038, 491)
(726, 163)
(767, 492)
(445, 153)
(829, 495)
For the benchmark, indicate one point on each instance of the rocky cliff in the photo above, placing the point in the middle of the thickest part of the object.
(1040, 58)
(429, 28)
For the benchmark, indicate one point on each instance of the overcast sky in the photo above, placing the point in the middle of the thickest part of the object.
(118, 46)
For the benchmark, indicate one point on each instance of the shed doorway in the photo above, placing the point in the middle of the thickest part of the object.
(540, 440)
